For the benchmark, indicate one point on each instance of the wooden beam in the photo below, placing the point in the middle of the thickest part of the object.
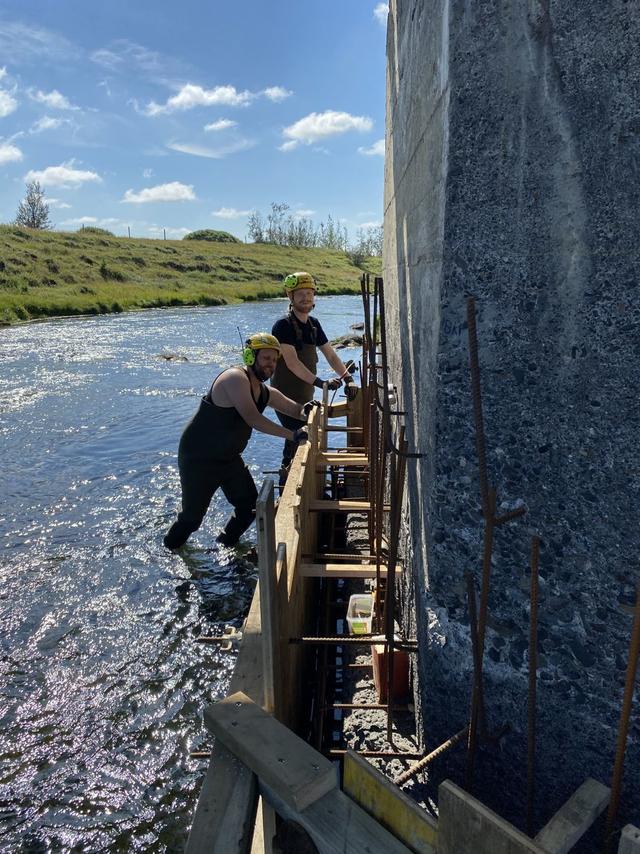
(629, 840)
(287, 764)
(338, 825)
(331, 458)
(343, 505)
(574, 818)
(466, 826)
(338, 428)
(341, 570)
(385, 802)
(269, 617)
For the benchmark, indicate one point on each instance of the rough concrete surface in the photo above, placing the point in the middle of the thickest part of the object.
(511, 174)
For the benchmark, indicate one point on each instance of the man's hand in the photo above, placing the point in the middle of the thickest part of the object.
(332, 384)
(307, 407)
(350, 388)
(300, 436)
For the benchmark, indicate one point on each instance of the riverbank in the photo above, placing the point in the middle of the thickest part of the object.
(53, 274)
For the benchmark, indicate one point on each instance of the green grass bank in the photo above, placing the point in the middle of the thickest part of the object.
(49, 274)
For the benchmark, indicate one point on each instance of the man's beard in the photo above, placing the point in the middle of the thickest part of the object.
(259, 373)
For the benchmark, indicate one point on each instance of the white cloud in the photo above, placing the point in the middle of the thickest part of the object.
(81, 220)
(319, 126)
(277, 93)
(147, 173)
(3, 72)
(64, 175)
(25, 43)
(54, 99)
(229, 213)
(58, 204)
(47, 123)
(380, 13)
(377, 149)
(124, 56)
(9, 153)
(196, 96)
(172, 192)
(7, 103)
(212, 153)
(373, 224)
(159, 229)
(221, 124)
(303, 214)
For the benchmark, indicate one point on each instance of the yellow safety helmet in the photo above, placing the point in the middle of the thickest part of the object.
(259, 341)
(299, 280)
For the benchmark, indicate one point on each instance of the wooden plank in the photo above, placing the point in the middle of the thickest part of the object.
(629, 840)
(338, 825)
(337, 459)
(346, 505)
(287, 764)
(574, 818)
(385, 802)
(269, 618)
(226, 809)
(466, 826)
(341, 570)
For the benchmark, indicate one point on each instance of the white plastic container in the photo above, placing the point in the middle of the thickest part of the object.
(360, 614)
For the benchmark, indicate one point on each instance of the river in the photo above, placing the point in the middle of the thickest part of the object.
(101, 684)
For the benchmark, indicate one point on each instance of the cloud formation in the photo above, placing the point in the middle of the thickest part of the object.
(221, 124)
(212, 153)
(9, 153)
(191, 96)
(381, 12)
(277, 93)
(54, 100)
(320, 126)
(65, 175)
(47, 123)
(229, 213)
(171, 192)
(7, 103)
(375, 150)
(26, 44)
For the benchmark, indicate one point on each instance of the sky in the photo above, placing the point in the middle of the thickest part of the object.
(157, 116)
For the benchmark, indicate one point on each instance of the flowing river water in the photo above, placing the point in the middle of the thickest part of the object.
(101, 684)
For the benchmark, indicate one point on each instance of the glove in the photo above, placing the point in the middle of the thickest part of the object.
(350, 388)
(307, 407)
(351, 367)
(332, 384)
(300, 436)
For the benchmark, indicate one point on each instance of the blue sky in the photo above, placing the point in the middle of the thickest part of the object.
(154, 115)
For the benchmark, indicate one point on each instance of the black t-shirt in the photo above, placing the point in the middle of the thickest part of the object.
(285, 332)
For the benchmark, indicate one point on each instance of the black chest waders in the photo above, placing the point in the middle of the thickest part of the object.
(209, 458)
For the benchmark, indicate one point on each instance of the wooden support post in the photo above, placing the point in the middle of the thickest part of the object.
(269, 618)
(574, 818)
(389, 805)
(466, 826)
(283, 761)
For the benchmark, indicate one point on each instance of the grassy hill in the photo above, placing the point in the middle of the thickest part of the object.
(47, 274)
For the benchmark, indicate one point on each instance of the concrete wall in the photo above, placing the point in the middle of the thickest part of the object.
(512, 169)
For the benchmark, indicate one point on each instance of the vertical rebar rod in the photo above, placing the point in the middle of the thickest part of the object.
(533, 676)
(397, 485)
(623, 728)
(476, 394)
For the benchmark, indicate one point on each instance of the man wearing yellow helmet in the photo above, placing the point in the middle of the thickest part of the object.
(209, 455)
(301, 336)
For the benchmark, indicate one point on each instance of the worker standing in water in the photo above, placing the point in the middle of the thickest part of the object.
(209, 455)
(301, 336)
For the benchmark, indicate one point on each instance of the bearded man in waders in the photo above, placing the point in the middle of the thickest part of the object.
(301, 336)
(209, 455)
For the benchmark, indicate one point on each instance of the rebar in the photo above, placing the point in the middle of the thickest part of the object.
(379, 754)
(623, 728)
(426, 760)
(476, 394)
(533, 674)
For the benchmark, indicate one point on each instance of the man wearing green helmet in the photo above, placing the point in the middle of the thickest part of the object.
(209, 455)
(301, 336)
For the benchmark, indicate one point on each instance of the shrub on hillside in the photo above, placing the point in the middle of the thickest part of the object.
(93, 229)
(213, 235)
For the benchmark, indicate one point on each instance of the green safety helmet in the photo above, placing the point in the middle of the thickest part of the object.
(299, 280)
(259, 341)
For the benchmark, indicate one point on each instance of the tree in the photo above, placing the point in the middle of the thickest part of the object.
(33, 211)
